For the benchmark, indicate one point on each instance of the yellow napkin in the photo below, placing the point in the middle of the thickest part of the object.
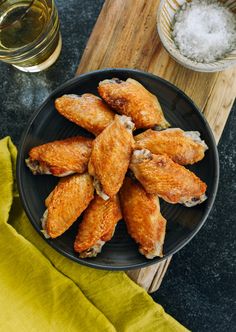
(40, 290)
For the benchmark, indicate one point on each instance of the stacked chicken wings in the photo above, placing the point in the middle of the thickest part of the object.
(96, 182)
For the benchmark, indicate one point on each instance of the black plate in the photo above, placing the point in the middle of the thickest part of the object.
(121, 252)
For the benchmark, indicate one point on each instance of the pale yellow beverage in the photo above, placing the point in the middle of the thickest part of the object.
(29, 34)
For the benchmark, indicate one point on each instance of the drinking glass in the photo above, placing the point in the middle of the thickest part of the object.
(30, 39)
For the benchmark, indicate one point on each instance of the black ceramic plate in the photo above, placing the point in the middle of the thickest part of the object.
(121, 252)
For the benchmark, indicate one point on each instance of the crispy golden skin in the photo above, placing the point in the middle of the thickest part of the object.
(182, 147)
(61, 158)
(132, 99)
(160, 175)
(87, 111)
(98, 226)
(110, 157)
(141, 212)
(66, 202)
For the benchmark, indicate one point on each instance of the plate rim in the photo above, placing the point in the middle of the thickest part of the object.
(93, 264)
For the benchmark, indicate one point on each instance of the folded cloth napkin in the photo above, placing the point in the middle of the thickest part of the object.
(40, 290)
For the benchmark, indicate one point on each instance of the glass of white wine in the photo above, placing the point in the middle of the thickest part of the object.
(30, 37)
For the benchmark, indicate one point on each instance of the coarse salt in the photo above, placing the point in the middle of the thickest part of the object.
(204, 31)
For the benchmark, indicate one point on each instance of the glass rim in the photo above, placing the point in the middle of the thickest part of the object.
(38, 40)
(4, 26)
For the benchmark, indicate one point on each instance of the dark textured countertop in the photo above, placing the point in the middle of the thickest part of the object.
(199, 288)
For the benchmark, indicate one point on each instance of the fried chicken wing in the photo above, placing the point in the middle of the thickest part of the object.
(98, 226)
(141, 212)
(182, 147)
(66, 202)
(87, 111)
(160, 175)
(132, 99)
(110, 157)
(61, 158)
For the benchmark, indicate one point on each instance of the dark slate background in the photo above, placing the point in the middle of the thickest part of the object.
(199, 288)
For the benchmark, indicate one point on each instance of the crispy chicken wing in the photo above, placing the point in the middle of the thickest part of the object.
(160, 175)
(61, 158)
(132, 99)
(98, 226)
(141, 212)
(182, 147)
(87, 111)
(66, 202)
(110, 157)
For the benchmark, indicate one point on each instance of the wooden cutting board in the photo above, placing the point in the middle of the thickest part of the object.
(125, 36)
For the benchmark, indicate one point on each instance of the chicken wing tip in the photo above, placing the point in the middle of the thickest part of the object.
(156, 252)
(98, 187)
(141, 155)
(43, 221)
(111, 80)
(36, 167)
(93, 251)
(72, 95)
(195, 136)
(126, 121)
(195, 201)
(164, 124)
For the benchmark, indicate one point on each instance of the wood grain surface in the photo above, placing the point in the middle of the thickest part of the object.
(125, 36)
